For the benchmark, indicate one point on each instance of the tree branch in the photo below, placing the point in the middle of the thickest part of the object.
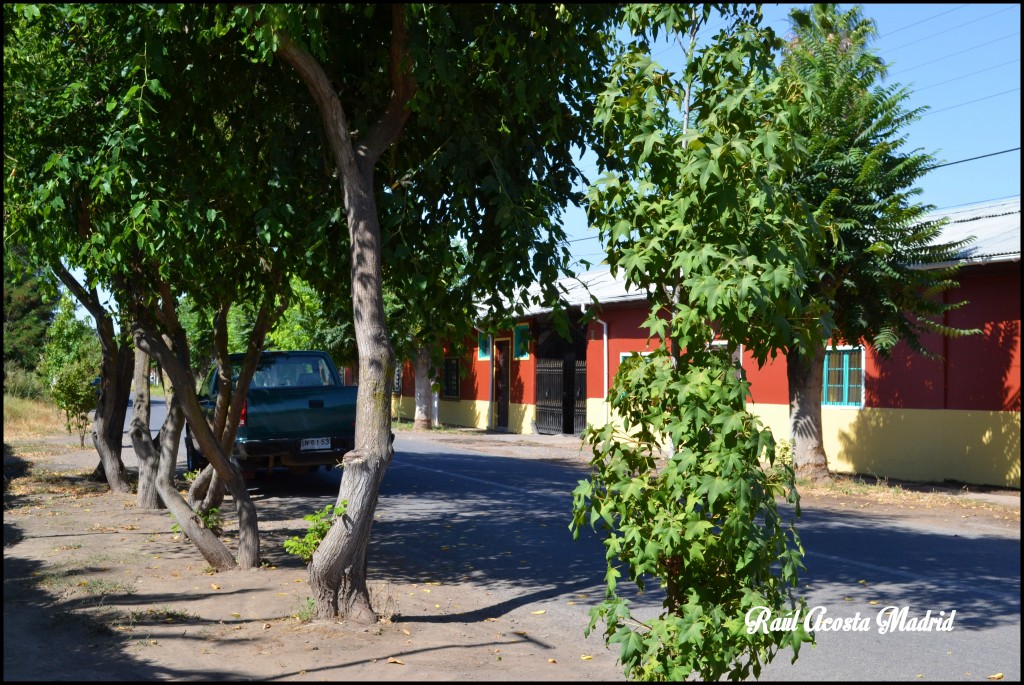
(403, 87)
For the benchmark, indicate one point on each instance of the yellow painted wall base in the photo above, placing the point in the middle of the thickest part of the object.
(925, 445)
(470, 413)
(976, 447)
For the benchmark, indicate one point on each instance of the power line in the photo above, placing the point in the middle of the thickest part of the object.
(937, 166)
(954, 54)
(934, 16)
(954, 28)
(973, 73)
(971, 159)
(971, 102)
(978, 202)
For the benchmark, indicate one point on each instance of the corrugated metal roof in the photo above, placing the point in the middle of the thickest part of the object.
(994, 225)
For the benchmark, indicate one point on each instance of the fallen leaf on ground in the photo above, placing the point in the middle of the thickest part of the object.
(236, 614)
(490, 620)
(406, 631)
(586, 657)
(393, 660)
(873, 602)
(552, 661)
(265, 626)
(996, 676)
(215, 586)
(537, 613)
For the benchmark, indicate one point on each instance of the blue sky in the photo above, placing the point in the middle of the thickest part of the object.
(962, 61)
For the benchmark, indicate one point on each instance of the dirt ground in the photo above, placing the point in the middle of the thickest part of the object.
(95, 589)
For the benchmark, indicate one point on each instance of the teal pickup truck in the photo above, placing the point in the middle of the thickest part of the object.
(297, 413)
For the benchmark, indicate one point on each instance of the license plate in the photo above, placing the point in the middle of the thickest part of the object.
(316, 444)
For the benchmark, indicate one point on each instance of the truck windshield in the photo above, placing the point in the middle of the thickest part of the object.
(291, 372)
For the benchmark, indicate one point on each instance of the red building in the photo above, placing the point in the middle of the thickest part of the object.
(908, 417)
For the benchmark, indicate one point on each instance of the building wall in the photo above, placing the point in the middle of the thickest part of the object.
(929, 419)
(923, 419)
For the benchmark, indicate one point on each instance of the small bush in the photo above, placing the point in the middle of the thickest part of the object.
(211, 519)
(320, 523)
(22, 383)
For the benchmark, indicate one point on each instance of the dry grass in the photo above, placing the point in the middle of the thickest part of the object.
(31, 419)
(40, 481)
(881, 491)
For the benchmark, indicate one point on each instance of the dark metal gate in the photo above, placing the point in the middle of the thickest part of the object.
(561, 382)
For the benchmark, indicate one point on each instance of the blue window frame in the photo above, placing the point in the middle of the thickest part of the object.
(843, 382)
(483, 346)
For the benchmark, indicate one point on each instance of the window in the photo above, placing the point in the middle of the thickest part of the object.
(450, 387)
(397, 389)
(483, 346)
(521, 341)
(623, 356)
(843, 384)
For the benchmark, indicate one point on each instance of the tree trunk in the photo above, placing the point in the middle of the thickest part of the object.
(149, 459)
(805, 379)
(206, 541)
(111, 410)
(185, 397)
(421, 367)
(115, 385)
(207, 490)
(338, 566)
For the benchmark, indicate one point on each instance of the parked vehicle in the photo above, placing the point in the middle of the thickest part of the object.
(297, 413)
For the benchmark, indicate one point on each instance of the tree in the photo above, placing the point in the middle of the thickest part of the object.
(416, 75)
(28, 311)
(71, 360)
(695, 209)
(859, 180)
(53, 123)
(126, 150)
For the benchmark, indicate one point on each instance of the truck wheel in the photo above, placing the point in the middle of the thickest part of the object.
(194, 459)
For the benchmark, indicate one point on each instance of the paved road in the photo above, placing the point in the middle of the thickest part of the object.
(501, 523)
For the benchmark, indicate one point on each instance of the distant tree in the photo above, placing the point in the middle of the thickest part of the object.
(71, 361)
(859, 179)
(28, 311)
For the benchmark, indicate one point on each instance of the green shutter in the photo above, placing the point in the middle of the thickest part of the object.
(483, 346)
(521, 342)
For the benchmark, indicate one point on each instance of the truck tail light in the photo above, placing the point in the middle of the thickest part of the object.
(245, 412)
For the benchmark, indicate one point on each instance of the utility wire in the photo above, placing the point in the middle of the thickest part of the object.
(973, 73)
(954, 28)
(934, 16)
(937, 166)
(971, 159)
(971, 102)
(954, 54)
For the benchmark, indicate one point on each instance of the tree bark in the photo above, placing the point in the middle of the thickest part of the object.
(424, 412)
(805, 382)
(338, 567)
(149, 458)
(115, 386)
(185, 396)
(206, 541)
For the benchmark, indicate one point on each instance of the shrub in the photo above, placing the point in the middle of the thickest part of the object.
(320, 523)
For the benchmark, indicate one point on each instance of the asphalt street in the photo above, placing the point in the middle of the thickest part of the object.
(501, 523)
